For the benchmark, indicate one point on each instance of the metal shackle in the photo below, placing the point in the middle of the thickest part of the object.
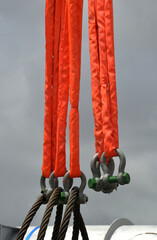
(122, 159)
(67, 182)
(82, 197)
(44, 190)
(107, 171)
(53, 181)
(123, 177)
(101, 183)
(67, 185)
(95, 166)
(42, 183)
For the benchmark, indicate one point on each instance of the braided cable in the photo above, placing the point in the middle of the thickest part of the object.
(47, 214)
(67, 214)
(57, 223)
(29, 217)
(76, 223)
(83, 229)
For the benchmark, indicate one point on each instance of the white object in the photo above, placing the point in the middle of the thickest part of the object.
(130, 232)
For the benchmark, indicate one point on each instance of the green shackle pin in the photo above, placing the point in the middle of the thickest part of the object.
(95, 182)
(125, 179)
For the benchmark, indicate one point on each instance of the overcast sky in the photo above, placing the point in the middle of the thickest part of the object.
(22, 70)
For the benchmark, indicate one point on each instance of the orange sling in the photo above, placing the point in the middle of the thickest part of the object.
(53, 12)
(75, 35)
(49, 58)
(103, 82)
(63, 96)
(63, 21)
(70, 53)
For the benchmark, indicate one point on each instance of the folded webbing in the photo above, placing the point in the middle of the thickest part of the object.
(75, 35)
(53, 12)
(64, 29)
(104, 97)
(112, 76)
(63, 96)
(49, 58)
(95, 77)
(57, 33)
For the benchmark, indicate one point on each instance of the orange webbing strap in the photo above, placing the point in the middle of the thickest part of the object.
(70, 61)
(75, 35)
(101, 22)
(63, 95)
(110, 151)
(95, 77)
(67, 35)
(52, 32)
(49, 58)
(57, 32)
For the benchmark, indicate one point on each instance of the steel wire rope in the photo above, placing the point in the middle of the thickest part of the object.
(76, 222)
(83, 229)
(67, 214)
(79, 224)
(72, 205)
(57, 223)
(47, 214)
(29, 217)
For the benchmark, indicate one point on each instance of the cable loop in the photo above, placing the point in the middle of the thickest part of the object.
(45, 220)
(69, 208)
(76, 221)
(57, 223)
(29, 217)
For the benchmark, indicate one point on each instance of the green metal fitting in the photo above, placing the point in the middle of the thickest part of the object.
(43, 191)
(125, 178)
(62, 197)
(92, 182)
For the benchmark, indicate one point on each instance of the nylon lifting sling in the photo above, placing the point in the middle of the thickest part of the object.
(104, 99)
(103, 82)
(63, 26)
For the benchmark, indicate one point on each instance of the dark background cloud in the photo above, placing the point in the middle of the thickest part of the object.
(22, 60)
